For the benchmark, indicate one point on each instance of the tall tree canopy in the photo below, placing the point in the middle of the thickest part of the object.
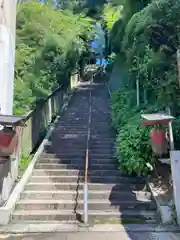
(50, 43)
(145, 39)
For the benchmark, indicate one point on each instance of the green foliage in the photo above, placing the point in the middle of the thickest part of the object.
(150, 41)
(176, 132)
(147, 36)
(121, 104)
(74, 5)
(133, 149)
(111, 14)
(24, 163)
(129, 7)
(50, 43)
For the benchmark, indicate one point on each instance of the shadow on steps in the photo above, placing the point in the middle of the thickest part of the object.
(56, 186)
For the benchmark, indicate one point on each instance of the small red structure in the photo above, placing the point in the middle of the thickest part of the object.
(159, 141)
(9, 134)
(158, 136)
(6, 137)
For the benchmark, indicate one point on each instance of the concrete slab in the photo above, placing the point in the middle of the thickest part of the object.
(90, 236)
(56, 227)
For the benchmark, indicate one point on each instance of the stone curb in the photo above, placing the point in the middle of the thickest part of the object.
(8, 208)
(58, 227)
(164, 209)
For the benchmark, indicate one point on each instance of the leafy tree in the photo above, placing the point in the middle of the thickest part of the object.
(111, 14)
(76, 6)
(147, 36)
(49, 45)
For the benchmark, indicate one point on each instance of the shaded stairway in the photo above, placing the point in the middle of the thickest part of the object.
(55, 189)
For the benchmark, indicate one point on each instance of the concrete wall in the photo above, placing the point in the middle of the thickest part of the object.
(37, 122)
(9, 171)
(4, 172)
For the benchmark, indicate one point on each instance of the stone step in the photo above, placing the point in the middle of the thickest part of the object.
(102, 173)
(82, 145)
(52, 171)
(98, 204)
(62, 164)
(69, 143)
(80, 141)
(84, 119)
(72, 195)
(91, 186)
(80, 150)
(109, 139)
(104, 136)
(91, 179)
(73, 123)
(68, 137)
(72, 136)
(76, 160)
(64, 151)
(65, 154)
(108, 173)
(96, 132)
(57, 172)
(97, 169)
(56, 179)
(102, 150)
(79, 165)
(97, 144)
(132, 229)
(78, 127)
(126, 216)
(102, 121)
(68, 154)
(76, 119)
(73, 128)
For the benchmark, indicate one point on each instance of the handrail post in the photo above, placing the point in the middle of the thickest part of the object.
(86, 185)
(85, 203)
(86, 167)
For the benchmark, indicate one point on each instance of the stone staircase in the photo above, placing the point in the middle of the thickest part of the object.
(54, 192)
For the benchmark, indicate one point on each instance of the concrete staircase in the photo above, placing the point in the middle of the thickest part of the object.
(55, 190)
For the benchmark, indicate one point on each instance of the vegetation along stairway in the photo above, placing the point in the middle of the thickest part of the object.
(55, 190)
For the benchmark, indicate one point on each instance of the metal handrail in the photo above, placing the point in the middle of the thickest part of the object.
(87, 165)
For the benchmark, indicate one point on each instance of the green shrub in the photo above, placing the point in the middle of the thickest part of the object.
(121, 107)
(24, 163)
(133, 149)
(148, 38)
(176, 132)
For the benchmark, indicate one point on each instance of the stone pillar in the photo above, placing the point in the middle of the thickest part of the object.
(175, 169)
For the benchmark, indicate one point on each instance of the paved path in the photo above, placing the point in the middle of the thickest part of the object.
(99, 236)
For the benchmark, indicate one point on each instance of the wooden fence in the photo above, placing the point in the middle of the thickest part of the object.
(38, 120)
